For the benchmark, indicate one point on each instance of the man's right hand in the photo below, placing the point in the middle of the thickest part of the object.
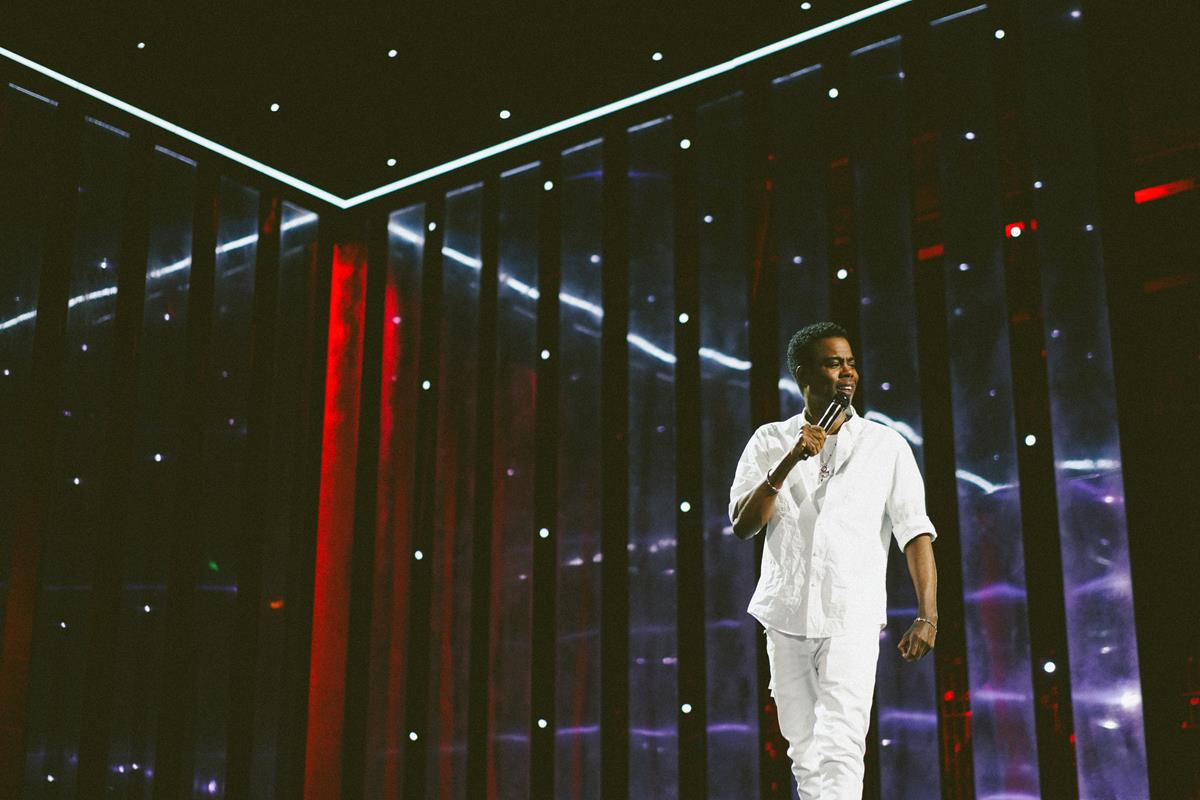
(812, 439)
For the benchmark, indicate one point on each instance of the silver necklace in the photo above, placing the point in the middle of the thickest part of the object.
(826, 469)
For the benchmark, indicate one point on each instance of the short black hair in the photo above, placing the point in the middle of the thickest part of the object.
(799, 349)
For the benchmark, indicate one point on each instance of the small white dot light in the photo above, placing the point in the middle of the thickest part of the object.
(391, 162)
(62, 624)
(505, 113)
(393, 53)
(806, 6)
(685, 506)
(542, 723)
(964, 267)
(1089, 227)
(656, 57)
(969, 136)
(548, 185)
(545, 355)
(49, 779)
(1049, 667)
(1030, 440)
(426, 385)
(1015, 231)
(594, 258)
(999, 33)
(683, 318)
(167, 316)
(412, 736)
(158, 456)
(686, 708)
(146, 608)
(1037, 184)
(418, 555)
(274, 107)
(544, 533)
(1076, 14)
(833, 93)
(141, 45)
(75, 481)
(842, 274)
(708, 218)
(684, 144)
(432, 227)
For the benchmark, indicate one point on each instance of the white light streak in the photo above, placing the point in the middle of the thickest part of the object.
(183, 133)
(902, 428)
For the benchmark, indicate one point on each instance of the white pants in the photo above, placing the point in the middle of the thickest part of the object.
(823, 689)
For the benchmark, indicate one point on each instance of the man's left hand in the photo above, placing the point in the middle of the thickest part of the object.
(917, 641)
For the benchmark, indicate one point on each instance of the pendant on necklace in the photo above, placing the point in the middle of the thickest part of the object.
(825, 472)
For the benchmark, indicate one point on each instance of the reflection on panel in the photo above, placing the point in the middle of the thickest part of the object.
(224, 452)
(1105, 677)
(993, 564)
(65, 579)
(286, 527)
(731, 635)
(513, 526)
(800, 221)
(24, 173)
(653, 643)
(907, 713)
(454, 498)
(153, 485)
(386, 731)
(577, 747)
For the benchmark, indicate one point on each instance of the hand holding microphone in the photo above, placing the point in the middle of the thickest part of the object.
(812, 439)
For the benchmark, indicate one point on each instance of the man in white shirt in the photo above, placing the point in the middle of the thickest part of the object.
(829, 505)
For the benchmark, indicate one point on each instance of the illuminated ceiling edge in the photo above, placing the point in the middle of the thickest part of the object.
(479, 155)
(183, 133)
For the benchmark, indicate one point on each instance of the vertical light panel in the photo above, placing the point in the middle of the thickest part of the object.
(731, 635)
(653, 643)
(224, 473)
(399, 390)
(1105, 678)
(577, 746)
(285, 523)
(1003, 728)
(906, 707)
(800, 171)
(66, 570)
(24, 173)
(513, 528)
(154, 485)
(454, 497)
(335, 523)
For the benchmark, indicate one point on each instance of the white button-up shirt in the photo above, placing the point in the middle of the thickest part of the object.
(824, 571)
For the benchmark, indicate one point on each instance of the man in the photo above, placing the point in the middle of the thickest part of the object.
(829, 505)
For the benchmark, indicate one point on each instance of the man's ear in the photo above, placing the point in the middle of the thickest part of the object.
(799, 376)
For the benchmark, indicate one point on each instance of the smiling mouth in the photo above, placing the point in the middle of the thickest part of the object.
(846, 388)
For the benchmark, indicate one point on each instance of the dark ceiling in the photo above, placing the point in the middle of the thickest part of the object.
(346, 106)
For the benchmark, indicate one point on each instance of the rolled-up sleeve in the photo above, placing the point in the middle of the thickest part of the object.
(751, 469)
(906, 501)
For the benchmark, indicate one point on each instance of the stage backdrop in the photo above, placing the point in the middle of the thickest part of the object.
(428, 499)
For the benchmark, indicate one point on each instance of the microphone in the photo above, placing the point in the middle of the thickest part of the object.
(839, 404)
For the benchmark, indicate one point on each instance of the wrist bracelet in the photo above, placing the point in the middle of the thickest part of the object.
(928, 622)
(774, 489)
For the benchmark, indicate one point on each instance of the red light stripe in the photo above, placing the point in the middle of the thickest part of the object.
(335, 522)
(1151, 193)
(933, 251)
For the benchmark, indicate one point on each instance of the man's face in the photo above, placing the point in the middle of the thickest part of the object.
(831, 370)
